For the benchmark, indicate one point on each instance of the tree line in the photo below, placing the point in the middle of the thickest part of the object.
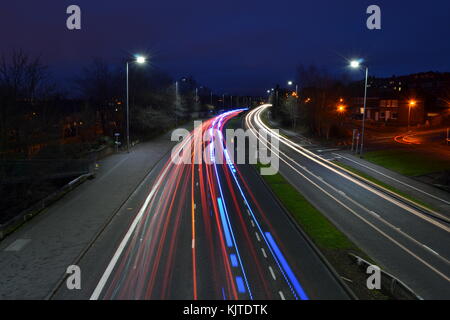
(39, 118)
(316, 110)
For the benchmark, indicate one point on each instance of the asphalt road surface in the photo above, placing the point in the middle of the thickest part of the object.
(411, 244)
(204, 228)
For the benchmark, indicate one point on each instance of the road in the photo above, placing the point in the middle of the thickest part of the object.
(405, 241)
(205, 229)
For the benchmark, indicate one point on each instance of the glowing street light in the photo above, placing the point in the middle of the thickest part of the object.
(140, 60)
(356, 64)
(411, 104)
(341, 108)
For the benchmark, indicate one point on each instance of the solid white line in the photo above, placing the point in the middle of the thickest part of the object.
(98, 290)
(272, 273)
(374, 214)
(338, 170)
(399, 181)
(281, 295)
(264, 253)
(431, 250)
(355, 213)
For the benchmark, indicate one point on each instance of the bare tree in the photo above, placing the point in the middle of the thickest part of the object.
(318, 102)
(23, 78)
(100, 86)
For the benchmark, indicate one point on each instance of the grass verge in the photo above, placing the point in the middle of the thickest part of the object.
(408, 162)
(333, 244)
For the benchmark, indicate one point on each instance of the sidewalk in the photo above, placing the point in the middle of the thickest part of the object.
(35, 257)
(435, 197)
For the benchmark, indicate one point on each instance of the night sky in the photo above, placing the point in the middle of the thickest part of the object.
(233, 46)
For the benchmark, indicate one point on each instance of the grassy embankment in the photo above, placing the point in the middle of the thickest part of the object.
(408, 162)
(333, 244)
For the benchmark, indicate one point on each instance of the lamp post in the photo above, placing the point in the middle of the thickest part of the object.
(139, 60)
(411, 104)
(356, 65)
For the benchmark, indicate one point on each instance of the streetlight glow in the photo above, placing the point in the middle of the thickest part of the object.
(290, 83)
(355, 64)
(140, 59)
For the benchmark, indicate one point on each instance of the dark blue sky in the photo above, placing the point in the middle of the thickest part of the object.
(234, 46)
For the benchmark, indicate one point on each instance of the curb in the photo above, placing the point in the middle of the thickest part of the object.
(308, 240)
(103, 227)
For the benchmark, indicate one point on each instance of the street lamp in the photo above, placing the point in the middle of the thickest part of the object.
(139, 60)
(356, 64)
(411, 104)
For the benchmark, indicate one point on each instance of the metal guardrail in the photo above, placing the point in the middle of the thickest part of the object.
(29, 213)
(390, 285)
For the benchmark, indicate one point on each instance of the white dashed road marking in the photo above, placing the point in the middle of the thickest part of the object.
(272, 273)
(264, 253)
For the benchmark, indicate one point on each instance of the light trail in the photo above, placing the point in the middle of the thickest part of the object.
(255, 115)
(211, 200)
(338, 170)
